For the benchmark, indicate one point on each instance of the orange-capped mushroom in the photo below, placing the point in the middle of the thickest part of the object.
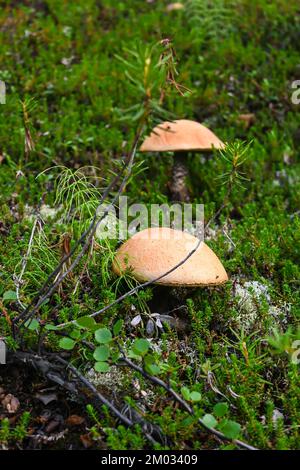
(181, 136)
(154, 251)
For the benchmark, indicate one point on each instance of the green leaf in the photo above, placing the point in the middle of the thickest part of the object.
(117, 328)
(209, 421)
(153, 369)
(140, 346)
(10, 295)
(149, 359)
(185, 393)
(132, 355)
(173, 383)
(101, 367)
(195, 396)
(86, 322)
(32, 324)
(50, 327)
(230, 429)
(75, 334)
(66, 343)
(220, 409)
(101, 353)
(103, 335)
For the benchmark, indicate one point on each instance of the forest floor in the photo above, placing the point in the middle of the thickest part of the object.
(83, 80)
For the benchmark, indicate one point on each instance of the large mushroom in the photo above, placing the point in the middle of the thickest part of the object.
(181, 136)
(154, 251)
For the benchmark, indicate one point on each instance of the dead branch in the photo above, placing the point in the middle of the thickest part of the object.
(54, 368)
(181, 401)
(40, 298)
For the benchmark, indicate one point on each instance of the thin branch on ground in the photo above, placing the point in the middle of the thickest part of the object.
(104, 401)
(18, 279)
(157, 381)
(182, 402)
(40, 298)
(47, 365)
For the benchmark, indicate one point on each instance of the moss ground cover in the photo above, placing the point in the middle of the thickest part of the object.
(74, 100)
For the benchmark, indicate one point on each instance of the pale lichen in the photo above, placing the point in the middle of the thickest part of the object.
(250, 298)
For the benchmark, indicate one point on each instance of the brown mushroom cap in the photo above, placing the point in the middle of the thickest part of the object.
(154, 251)
(181, 135)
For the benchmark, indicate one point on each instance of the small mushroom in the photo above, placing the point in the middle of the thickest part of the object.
(181, 136)
(154, 251)
(174, 6)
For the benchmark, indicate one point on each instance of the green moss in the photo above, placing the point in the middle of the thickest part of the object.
(64, 58)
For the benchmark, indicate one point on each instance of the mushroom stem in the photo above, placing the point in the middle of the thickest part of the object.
(180, 172)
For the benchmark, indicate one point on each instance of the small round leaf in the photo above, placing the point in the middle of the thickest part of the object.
(185, 393)
(195, 396)
(140, 346)
(101, 366)
(103, 335)
(75, 334)
(220, 409)
(86, 322)
(230, 429)
(101, 353)
(209, 421)
(10, 295)
(67, 343)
